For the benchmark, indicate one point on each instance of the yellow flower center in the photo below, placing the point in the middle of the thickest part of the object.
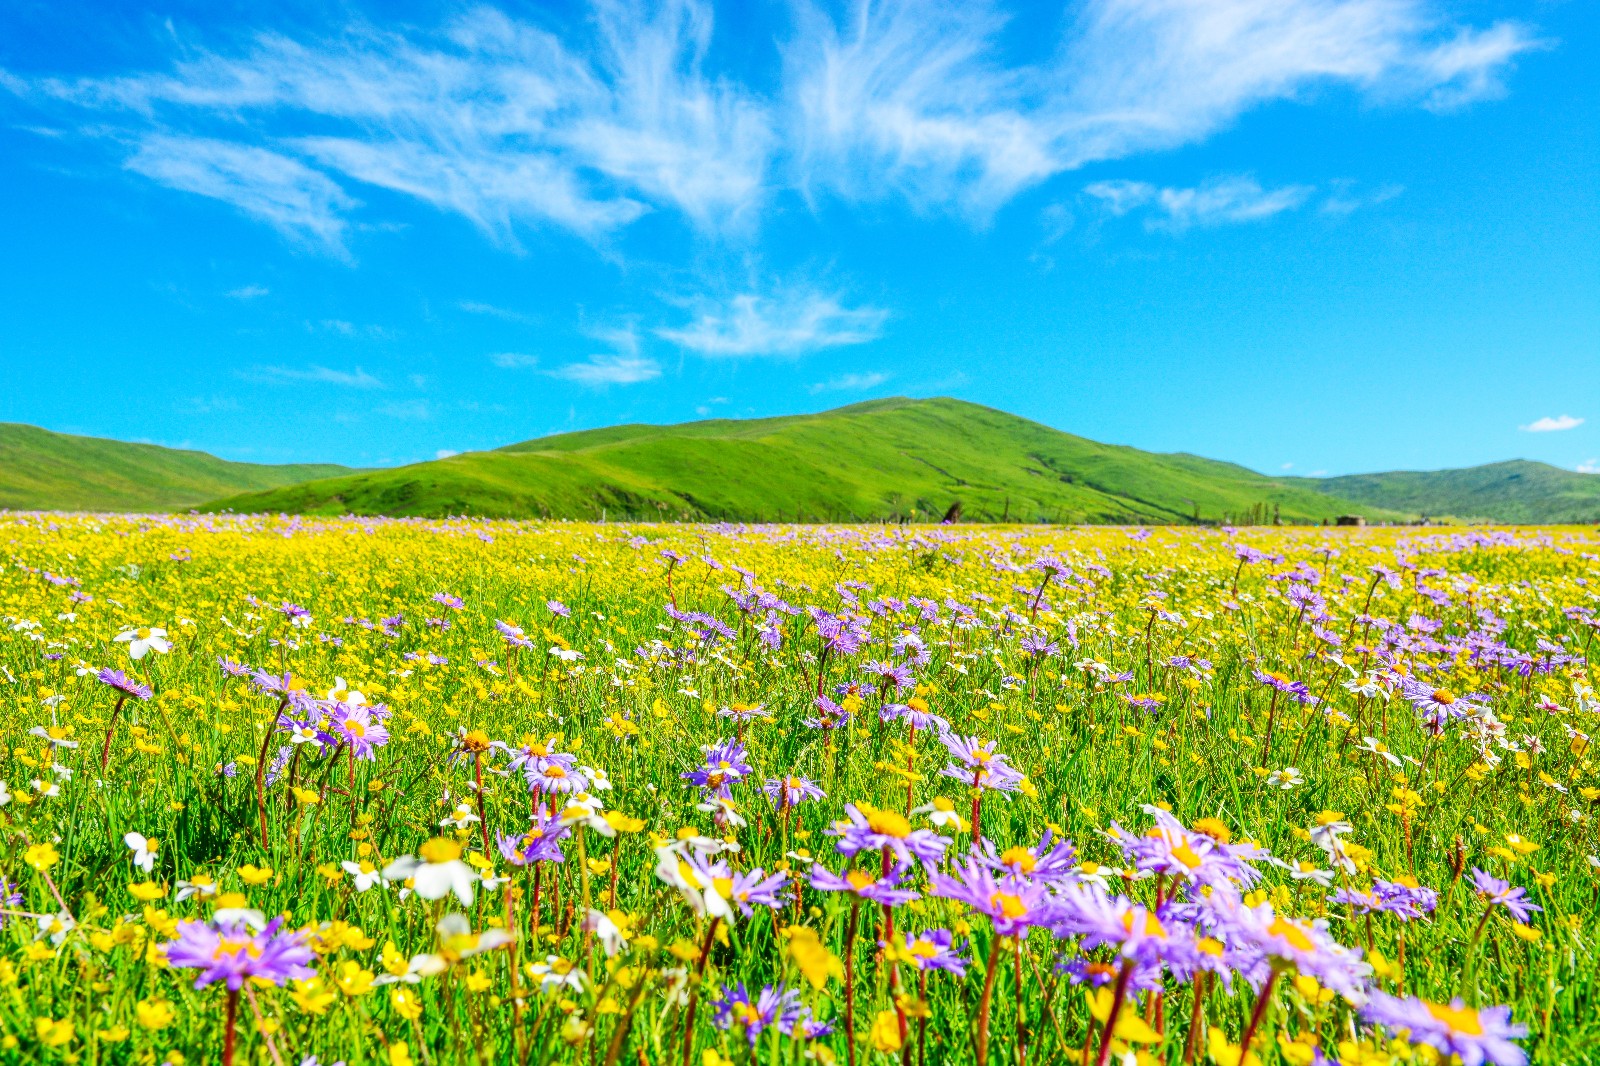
(1213, 828)
(859, 879)
(439, 850)
(1462, 1020)
(889, 823)
(1143, 923)
(1293, 933)
(1020, 858)
(1010, 906)
(1186, 855)
(1444, 696)
(227, 947)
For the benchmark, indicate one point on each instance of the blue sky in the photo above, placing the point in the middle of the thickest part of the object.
(1304, 235)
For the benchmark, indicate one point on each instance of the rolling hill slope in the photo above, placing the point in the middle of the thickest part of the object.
(1516, 491)
(41, 470)
(879, 460)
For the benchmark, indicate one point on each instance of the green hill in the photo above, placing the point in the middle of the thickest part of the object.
(1514, 492)
(41, 470)
(885, 459)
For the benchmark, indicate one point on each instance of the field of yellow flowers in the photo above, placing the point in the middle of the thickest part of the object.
(374, 791)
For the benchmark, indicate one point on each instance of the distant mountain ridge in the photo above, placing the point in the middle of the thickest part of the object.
(881, 460)
(885, 459)
(1517, 491)
(47, 471)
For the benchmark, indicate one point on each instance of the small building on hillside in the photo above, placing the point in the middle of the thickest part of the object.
(1349, 520)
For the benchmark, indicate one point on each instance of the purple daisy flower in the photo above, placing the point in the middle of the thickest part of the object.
(832, 715)
(868, 828)
(1473, 1036)
(725, 763)
(9, 897)
(1050, 862)
(791, 790)
(935, 949)
(744, 891)
(1012, 905)
(548, 770)
(1498, 893)
(541, 843)
(904, 712)
(513, 634)
(354, 725)
(735, 1009)
(229, 952)
(884, 891)
(124, 684)
(977, 764)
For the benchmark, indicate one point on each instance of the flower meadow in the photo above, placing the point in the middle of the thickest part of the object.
(304, 792)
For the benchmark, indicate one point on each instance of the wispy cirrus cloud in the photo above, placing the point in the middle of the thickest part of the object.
(284, 375)
(477, 307)
(1218, 202)
(599, 371)
(509, 123)
(788, 323)
(303, 204)
(514, 360)
(248, 292)
(494, 119)
(1550, 424)
(850, 383)
(917, 97)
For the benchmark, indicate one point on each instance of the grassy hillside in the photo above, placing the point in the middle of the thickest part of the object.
(1517, 491)
(880, 460)
(41, 470)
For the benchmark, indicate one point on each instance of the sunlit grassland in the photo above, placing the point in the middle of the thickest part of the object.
(643, 697)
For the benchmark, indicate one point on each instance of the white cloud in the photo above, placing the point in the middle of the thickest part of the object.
(599, 371)
(490, 118)
(279, 375)
(790, 323)
(850, 383)
(1217, 202)
(303, 204)
(248, 292)
(1589, 466)
(475, 307)
(445, 453)
(914, 96)
(1344, 198)
(910, 97)
(514, 360)
(1552, 425)
(408, 411)
(510, 124)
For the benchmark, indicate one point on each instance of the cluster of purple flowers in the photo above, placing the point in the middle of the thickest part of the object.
(775, 1007)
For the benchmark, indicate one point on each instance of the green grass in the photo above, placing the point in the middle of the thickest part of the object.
(882, 460)
(41, 470)
(1151, 700)
(1516, 491)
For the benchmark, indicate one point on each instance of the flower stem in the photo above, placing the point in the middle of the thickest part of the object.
(1255, 1018)
(1119, 992)
(850, 982)
(989, 974)
(111, 727)
(227, 1031)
